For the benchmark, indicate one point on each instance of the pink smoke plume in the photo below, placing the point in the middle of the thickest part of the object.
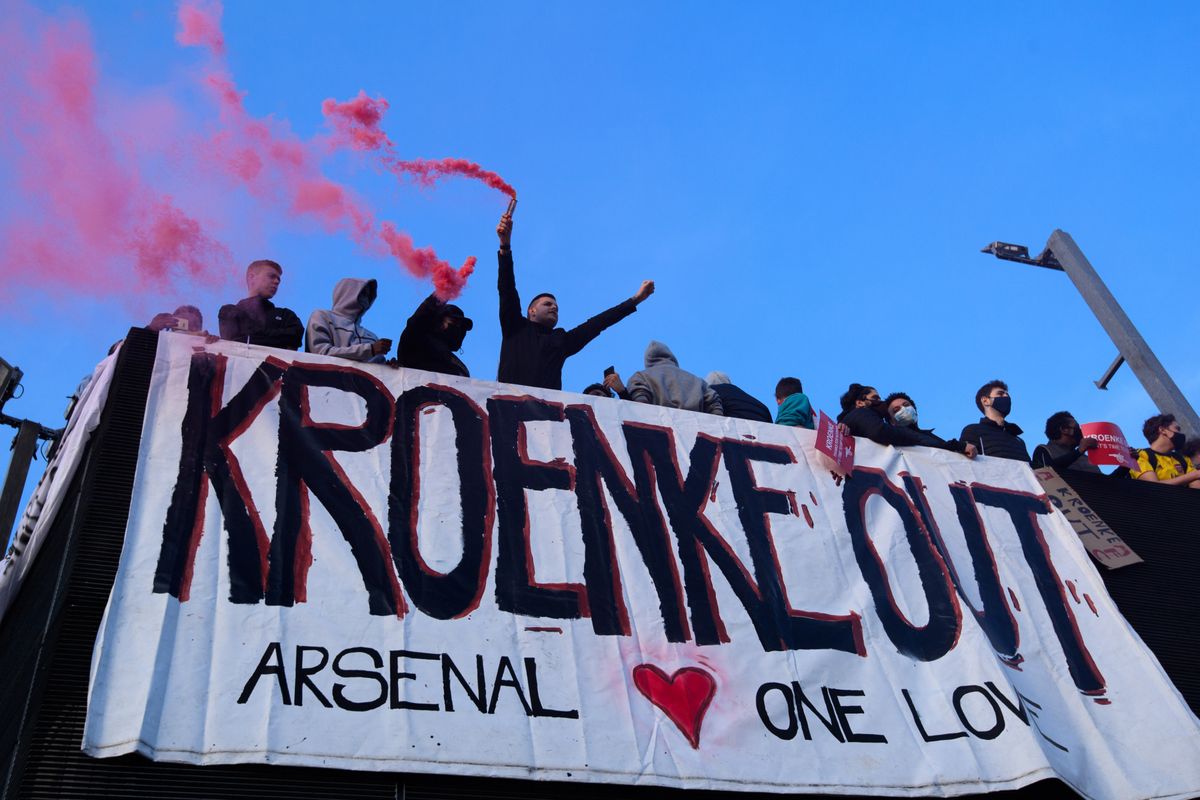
(90, 210)
(200, 25)
(86, 212)
(274, 164)
(357, 124)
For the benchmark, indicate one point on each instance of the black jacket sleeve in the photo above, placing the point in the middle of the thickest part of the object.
(578, 337)
(230, 323)
(511, 315)
(864, 422)
(288, 334)
(1042, 458)
(931, 439)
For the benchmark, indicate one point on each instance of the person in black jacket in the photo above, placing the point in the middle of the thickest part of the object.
(863, 413)
(1065, 447)
(256, 320)
(431, 337)
(735, 401)
(994, 435)
(532, 349)
(901, 411)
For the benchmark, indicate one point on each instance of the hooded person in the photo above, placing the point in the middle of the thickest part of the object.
(431, 337)
(338, 332)
(663, 383)
(734, 401)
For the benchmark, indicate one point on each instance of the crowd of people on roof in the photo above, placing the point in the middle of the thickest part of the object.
(533, 350)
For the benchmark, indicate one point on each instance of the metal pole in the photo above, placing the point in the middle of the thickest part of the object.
(24, 448)
(1108, 373)
(1129, 342)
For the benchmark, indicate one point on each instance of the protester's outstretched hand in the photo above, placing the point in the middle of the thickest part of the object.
(380, 347)
(504, 230)
(644, 291)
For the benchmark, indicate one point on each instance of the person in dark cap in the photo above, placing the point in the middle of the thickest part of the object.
(598, 390)
(533, 347)
(432, 336)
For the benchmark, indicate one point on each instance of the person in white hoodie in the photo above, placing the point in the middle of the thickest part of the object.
(663, 383)
(339, 332)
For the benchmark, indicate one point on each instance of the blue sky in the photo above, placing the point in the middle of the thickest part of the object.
(809, 186)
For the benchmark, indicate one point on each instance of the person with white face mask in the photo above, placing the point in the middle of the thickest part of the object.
(901, 411)
(865, 414)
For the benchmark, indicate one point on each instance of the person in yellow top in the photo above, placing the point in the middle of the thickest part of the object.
(1163, 460)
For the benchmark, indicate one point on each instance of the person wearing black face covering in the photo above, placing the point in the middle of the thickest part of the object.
(1066, 447)
(1162, 461)
(863, 414)
(994, 435)
(433, 334)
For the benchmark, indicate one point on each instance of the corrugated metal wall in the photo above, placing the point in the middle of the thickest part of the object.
(47, 636)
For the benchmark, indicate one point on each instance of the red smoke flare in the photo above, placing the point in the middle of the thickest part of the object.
(275, 165)
(86, 212)
(356, 123)
(200, 25)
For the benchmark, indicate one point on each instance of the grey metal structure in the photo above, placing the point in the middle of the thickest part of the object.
(24, 448)
(1063, 254)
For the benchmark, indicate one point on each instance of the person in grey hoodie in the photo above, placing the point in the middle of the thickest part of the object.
(338, 332)
(663, 383)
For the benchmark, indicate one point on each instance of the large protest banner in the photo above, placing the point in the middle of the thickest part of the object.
(335, 564)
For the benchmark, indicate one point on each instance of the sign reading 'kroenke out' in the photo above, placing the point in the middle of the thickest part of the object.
(340, 565)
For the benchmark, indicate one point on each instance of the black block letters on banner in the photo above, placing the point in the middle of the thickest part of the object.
(660, 502)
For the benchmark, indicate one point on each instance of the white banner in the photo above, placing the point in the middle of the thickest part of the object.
(334, 564)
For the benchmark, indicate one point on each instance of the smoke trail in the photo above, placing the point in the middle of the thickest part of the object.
(199, 24)
(86, 211)
(356, 124)
(274, 164)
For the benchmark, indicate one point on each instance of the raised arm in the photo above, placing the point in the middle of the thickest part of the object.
(511, 314)
(579, 336)
(427, 316)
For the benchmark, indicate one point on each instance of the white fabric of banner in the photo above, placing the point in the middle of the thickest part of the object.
(343, 565)
(47, 499)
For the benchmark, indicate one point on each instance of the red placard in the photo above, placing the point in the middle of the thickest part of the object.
(838, 447)
(1112, 447)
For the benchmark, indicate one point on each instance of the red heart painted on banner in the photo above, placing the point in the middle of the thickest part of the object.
(684, 697)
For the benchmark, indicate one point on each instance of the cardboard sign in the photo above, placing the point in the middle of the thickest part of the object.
(1112, 447)
(348, 565)
(1103, 545)
(837, 447)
